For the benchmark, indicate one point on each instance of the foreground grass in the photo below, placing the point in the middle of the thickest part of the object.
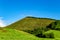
(56, 34)
(12, 34)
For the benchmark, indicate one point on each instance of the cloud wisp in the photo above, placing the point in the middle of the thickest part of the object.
(2, 23)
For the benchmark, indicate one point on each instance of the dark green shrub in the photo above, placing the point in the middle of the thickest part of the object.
(39, 32)
(49, 35)
(52, 25)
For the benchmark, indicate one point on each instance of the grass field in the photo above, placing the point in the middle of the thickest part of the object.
(12, 34)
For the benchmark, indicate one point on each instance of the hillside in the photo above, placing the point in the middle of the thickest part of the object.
(26, 28)
(32, 25)
(12, 34)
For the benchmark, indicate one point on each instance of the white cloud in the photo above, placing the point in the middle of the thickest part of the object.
(2, 23)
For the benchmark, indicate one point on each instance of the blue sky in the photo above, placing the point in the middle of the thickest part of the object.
(13, 10)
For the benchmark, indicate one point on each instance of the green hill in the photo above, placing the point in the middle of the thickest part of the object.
(32, 25)
(36, 26)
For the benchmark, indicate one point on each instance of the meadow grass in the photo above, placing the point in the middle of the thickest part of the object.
(13, 34)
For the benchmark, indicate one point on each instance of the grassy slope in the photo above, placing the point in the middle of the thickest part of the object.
(30, 23)
(12, 34)
(56, 34)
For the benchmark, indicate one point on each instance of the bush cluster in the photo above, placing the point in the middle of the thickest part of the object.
(39, 32)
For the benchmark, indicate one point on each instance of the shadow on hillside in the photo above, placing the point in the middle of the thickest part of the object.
(53, 26)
